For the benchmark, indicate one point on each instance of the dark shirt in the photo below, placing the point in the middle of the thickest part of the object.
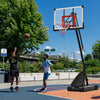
(13, 63)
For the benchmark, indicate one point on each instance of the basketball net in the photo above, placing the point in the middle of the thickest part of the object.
(65, 28)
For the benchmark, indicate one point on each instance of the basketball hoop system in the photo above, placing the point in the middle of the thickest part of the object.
(65, 26)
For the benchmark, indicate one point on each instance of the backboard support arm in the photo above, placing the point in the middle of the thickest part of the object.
(81, 47)
(79, 32)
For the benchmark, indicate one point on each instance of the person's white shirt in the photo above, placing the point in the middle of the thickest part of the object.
(46, 64)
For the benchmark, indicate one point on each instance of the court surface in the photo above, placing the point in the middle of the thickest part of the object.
(55, 92)
(27, 93)
(90, 95)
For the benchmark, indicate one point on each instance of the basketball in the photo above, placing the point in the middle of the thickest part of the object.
(27, 35)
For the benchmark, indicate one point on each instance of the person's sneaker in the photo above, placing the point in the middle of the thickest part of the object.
(16, 88)
(35, 90)
(44, 91)
(11, 89)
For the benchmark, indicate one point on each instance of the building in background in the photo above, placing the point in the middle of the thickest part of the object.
(34, 57)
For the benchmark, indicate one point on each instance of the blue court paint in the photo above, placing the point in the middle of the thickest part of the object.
(27, 93)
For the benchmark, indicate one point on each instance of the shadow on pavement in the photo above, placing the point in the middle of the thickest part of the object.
(29, 91)
(96, 97)
(5, 91)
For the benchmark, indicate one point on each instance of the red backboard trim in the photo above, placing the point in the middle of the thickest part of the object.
(68, 16)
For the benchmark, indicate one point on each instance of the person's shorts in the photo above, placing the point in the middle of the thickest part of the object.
(14, 73)
(46, 75)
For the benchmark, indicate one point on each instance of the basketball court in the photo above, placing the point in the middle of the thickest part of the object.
(55, 92)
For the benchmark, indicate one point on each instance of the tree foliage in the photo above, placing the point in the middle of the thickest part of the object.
(41, 56)
(64, 60)
(87, 57)
(96, 50)
(18, 17)
(93, 62)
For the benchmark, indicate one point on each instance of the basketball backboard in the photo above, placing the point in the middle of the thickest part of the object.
(72, 16)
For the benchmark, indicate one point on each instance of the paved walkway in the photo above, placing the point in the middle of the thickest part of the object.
(36, 83)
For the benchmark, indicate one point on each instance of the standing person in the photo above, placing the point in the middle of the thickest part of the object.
(14, 72)
(46, 64)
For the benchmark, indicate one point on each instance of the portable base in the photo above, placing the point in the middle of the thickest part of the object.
(83, 88)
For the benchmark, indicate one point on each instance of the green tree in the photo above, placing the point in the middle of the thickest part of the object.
(87, 57)
(18, 17)
(64, 60)
(93, 62)
(79, 65)
(41, 56)
(96, 50)
(58, 66)
(73, 64)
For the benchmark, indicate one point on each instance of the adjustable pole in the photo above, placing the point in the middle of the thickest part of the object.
(80, 47)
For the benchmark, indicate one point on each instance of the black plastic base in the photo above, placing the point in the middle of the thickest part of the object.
(83, 88)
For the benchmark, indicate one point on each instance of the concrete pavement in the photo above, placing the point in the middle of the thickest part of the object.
(39, 83)
(36, 83)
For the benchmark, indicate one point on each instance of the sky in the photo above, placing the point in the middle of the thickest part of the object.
(68, 43)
